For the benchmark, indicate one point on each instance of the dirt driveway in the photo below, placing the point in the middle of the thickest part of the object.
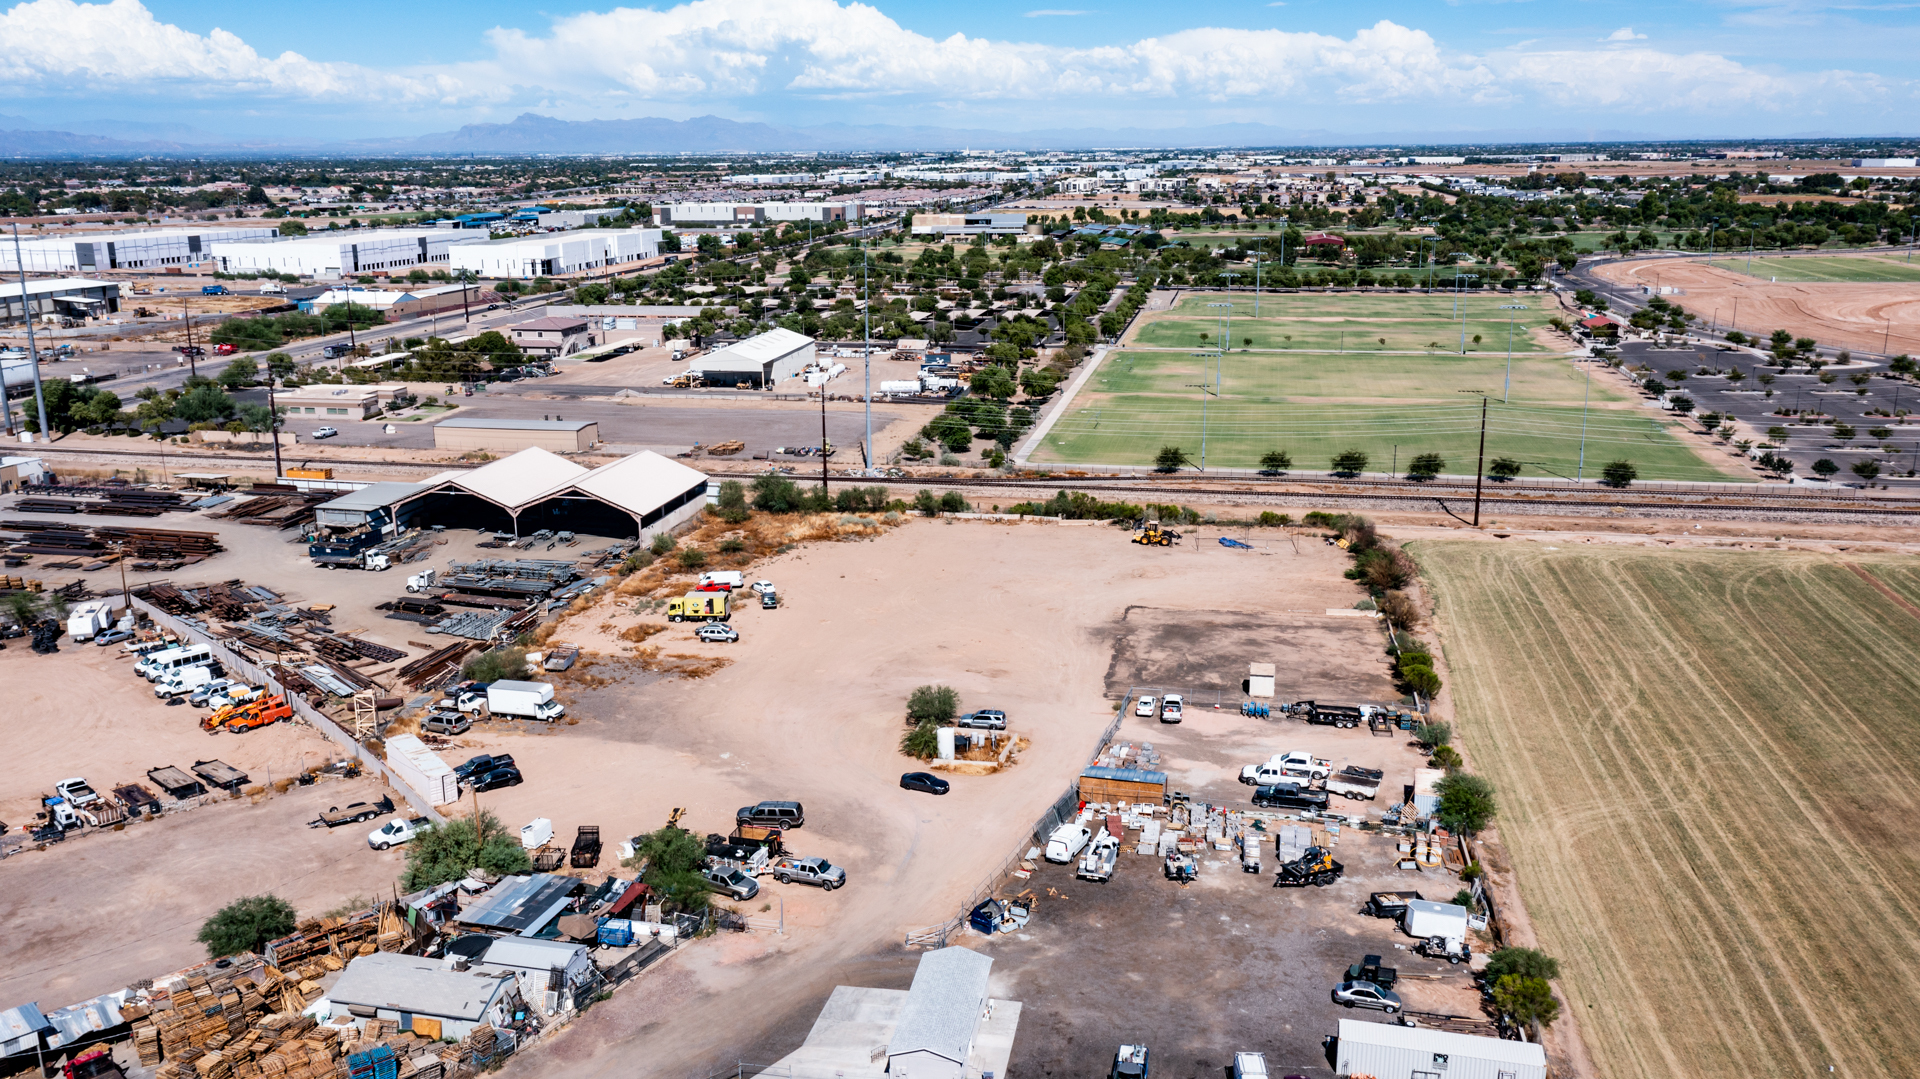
(1015, 616)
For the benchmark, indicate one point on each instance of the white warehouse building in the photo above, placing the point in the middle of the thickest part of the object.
(557, 253)
(1386, 1051)
(92, 252)
(338, 252)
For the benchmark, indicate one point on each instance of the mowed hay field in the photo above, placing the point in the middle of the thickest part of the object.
(1709, 770)
(1824, 268)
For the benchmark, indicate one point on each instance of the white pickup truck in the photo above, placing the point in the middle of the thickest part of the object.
(397, 831)
(1286, 766)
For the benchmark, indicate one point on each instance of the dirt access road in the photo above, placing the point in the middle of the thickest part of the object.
(1017, 616)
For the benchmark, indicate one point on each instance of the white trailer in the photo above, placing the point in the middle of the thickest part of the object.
(528, 700)
(422, 769)
(900, 386)
(89, 619)
(1426, 919)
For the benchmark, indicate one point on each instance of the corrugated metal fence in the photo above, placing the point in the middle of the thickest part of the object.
(250, 671)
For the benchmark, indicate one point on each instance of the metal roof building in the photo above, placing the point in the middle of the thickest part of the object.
(521, 905)
(92, 252)
(21, 1030)
(77, 296)
(408, 989)
(372, 505)
(761, 360)
(1387, 1051)
(477, 433)
(535, 489)
(934, 1035)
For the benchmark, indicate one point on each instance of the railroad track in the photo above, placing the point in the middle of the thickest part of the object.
(1533, 499)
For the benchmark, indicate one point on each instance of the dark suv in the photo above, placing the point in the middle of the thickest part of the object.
(1289, 796)
(773, 814)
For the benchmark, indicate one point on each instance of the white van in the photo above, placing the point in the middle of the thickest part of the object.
(1066, 842)
(184, 680)
(159, 664)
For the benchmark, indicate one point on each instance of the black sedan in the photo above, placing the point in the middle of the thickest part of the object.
(495, 779)
(925, 781)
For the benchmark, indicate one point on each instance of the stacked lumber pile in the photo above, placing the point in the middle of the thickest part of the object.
(317, 939)
(280, 509)
(437, 666)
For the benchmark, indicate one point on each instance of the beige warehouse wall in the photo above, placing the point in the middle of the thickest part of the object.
(495, 440)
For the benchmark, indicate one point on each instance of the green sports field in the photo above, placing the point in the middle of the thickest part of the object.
(1817, 268)
(1314, 405)
(1354, 322)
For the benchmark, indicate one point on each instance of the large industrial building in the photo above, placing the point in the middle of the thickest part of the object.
(730, 214)
(70, 297)
(338, 252)
(466, 433)
(969, 224)
(759, 361)
(557, 253)
(635, 496)
(94, 252)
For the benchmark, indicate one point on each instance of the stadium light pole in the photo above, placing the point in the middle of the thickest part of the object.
(1506, 393)
(1580, 472)
(1435, 253)
(33, 348)
(866, 344)
(1712, 223)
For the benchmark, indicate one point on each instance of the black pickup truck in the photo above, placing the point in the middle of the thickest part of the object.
(1289, 796)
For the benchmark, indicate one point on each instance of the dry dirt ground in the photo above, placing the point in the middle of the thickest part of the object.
(1020, 617)
(97, 912)
(1704, 757)
(1869, 316)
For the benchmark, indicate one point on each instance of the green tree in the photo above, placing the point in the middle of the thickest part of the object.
(922, 742)
(1521, 962)
(450, 851)
(241, 372)
(1275, 461)
(670, 861)
(204, 403)
(777, 494)
(926, 504)
(1171, 459)
(954, 502)
(496, 664)
(1503, 468)
(1349, 462)
(731, 506)
(1619, 473)
(1421, 680)
(1527, 1000)
(1433, 733)
(933, 703)
(993, 381)
(1425, 466)
(1825, 468)
(1466, 802)
(1867, 470)
(244, 925)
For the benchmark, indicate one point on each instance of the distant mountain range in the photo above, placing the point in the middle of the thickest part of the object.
(531, 133)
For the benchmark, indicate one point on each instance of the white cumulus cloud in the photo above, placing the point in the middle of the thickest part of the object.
(120, 45)
(825, 54)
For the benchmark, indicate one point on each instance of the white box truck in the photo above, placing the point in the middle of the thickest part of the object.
(528, 700)
(422, 769)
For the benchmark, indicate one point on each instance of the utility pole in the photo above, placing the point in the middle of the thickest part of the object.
(33, 349)
(273, 428)
(193, 369)
(866, 344)
(1480, 470)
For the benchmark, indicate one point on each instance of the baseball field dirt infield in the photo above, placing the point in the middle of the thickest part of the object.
(1707, 764)
(1878, 315)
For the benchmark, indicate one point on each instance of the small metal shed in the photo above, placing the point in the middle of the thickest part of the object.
(1132, 785)
(175, 783)
(1387, 1051)
(1260, 680)
(220, 774)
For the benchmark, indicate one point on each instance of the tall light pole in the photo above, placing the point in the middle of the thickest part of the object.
(1506, 393)
(1580, 472)
(1459, 283)
(33, 349)
(866, 344)
(1712, 223)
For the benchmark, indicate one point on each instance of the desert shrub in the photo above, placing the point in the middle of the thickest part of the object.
(1523, 962)
(1270, 519)
(1466, 802)
(448, 851)
(1400, 608)
(661, 544)
(496, 664)
(1434, 733)
(1446, 757)
(692, 558)
(922, 742)
(732, 504)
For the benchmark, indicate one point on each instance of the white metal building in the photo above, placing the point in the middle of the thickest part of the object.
(1387, 1051)
(345, 251)
(92, 252)
(933, 1037)
(811, 211)
(557, 253)
(761, 360)
(635, 496)
(75, 296)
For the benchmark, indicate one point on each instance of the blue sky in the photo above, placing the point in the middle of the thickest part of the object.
(1511, 67)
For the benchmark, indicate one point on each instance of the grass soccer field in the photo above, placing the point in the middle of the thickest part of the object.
(1816, 268)
(1707, 765)
(1314, 405)
(1360, 322)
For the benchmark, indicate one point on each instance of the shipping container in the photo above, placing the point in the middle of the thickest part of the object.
(422, 769)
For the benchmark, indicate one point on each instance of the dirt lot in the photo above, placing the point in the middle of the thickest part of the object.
(1100, 964)
(1703, 757)
(1868, 316)
(95, 913)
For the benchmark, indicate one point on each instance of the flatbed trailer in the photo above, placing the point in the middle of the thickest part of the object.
(586, 847)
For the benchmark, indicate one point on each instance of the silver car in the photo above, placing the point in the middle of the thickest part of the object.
(1366, 995)
(991, 719)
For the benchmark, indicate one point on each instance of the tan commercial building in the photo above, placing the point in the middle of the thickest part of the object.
(558, 436)
(348, 402)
